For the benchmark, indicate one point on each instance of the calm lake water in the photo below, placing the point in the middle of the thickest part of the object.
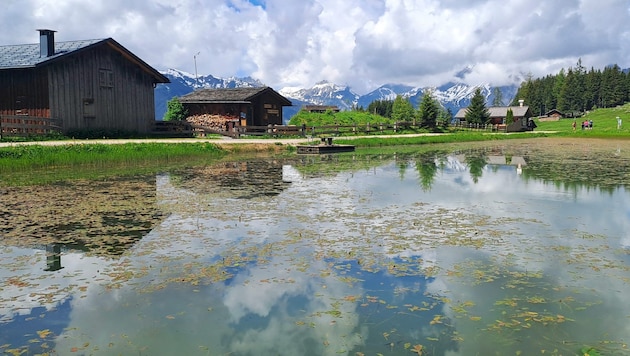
(448, 250)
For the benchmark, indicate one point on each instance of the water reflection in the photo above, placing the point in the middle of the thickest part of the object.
(102, 217)
(246, 179)
(53, 258)
(444, 253)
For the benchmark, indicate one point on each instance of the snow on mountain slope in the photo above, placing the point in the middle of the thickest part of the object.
(452, 96)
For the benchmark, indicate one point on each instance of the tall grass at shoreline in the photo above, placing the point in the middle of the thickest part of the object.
(440, 138)
(39, 156)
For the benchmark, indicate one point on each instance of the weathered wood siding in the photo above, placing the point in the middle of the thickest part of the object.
(100, 89)
(267, 110)
(24, 92)
(224, 109)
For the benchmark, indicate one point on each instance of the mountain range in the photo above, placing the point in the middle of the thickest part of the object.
(452, 95)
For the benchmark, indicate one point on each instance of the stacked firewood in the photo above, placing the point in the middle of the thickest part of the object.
(216, 122)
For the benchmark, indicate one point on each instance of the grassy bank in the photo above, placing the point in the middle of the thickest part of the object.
(39, 156)
(470, 136)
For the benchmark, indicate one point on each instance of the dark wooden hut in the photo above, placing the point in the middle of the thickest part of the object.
(555, 114)
(85, 85)
(259, 106)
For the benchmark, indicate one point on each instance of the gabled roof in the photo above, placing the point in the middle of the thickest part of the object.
(498, 111)
(28, 55)
(230, 95)
(554, 111)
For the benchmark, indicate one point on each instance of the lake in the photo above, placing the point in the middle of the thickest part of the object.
(517, 247)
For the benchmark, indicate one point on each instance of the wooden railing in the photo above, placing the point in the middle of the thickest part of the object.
(325, 130)
(24, 125)
(480, 127)
(183, 128)
(345, 130)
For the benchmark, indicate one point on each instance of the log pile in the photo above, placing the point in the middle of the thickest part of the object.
(215, 122)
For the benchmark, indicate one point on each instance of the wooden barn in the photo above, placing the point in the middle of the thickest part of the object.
(83, 85)
(260, 106)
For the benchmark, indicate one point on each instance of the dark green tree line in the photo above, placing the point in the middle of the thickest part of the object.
(381, 107)
(576, 90)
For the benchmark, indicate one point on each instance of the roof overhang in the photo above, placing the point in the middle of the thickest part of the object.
(111, 43)
(215, 102)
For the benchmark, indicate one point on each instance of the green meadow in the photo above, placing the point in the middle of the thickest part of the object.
(604, 124)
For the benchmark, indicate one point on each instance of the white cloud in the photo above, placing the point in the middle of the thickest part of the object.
(360, 43)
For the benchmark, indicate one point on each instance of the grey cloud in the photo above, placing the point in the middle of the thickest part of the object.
(354, 42)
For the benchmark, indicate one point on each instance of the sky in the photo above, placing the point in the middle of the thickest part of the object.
(360, 43)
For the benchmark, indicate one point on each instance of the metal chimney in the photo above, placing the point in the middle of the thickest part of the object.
(520, 102)
(46, 43)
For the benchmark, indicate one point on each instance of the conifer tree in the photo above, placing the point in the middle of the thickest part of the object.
(477, 113)
(509, 117)
(402, 110)
(498, 97)
(428, 111)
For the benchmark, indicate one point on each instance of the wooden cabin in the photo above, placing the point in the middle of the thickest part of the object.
(522, 117)
(259, 106)
(554, 114)
(84, 85)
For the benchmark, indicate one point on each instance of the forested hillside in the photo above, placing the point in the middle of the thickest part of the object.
(576, 90)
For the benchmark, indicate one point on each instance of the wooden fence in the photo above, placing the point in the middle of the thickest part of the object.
(346, 130)
(325, 130)
(24, 125)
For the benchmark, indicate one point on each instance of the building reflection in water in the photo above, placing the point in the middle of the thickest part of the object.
(53, 257)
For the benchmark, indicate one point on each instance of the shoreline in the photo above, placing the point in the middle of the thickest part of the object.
(217, 141)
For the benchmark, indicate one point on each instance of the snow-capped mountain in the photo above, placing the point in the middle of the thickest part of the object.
(452, 96)
(183, 83)
(389, 92)
(324, 93)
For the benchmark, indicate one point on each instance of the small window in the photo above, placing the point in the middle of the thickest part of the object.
(106, 78)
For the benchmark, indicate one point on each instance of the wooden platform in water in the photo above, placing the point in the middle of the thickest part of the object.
(326, 146)
(321, 149)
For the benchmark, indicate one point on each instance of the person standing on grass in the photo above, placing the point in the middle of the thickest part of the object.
(574, 123)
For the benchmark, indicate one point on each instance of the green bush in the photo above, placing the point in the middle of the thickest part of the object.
(175, 111)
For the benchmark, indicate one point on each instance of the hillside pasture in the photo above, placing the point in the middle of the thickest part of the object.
(604, 123)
